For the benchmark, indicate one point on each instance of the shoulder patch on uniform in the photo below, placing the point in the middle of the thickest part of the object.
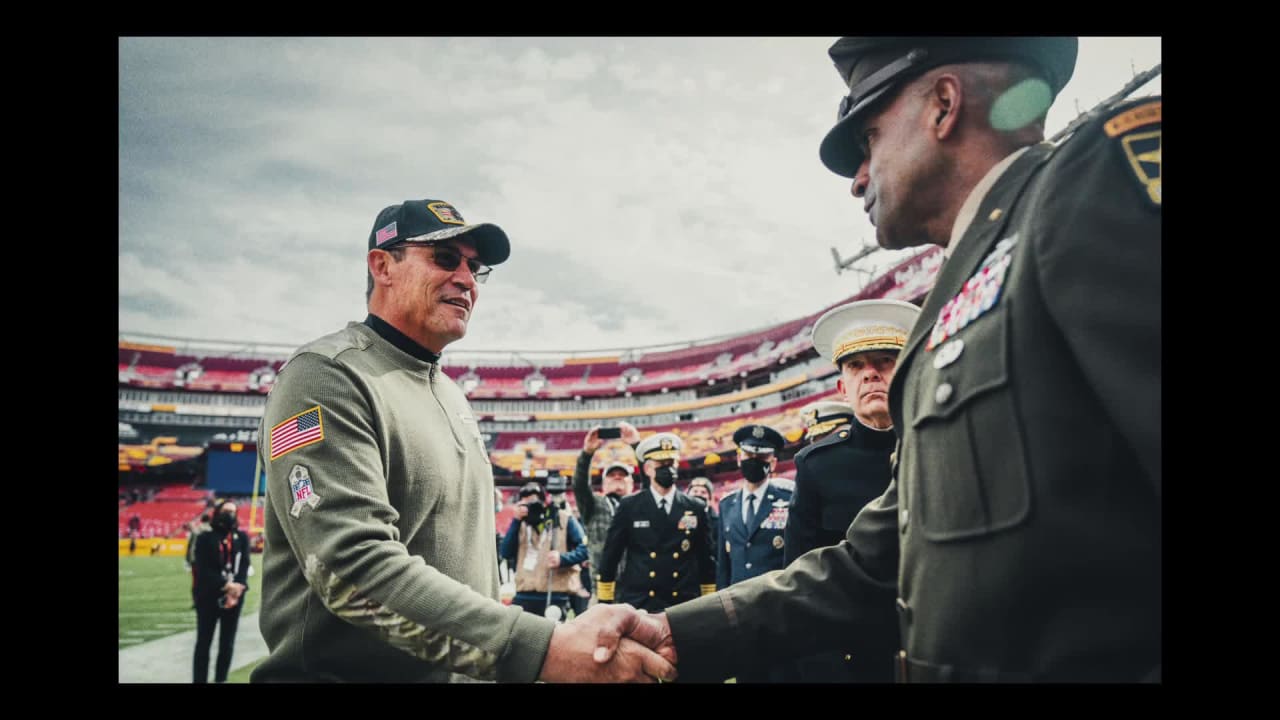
(305, 428)
(1136, 131)
(1142, 153)
(1136, 117)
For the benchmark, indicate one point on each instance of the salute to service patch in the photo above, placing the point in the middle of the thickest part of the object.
(305, 428)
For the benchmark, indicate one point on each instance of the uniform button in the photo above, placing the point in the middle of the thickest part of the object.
(748, 544)
(995, 214)
(675, 574)
(748, 566)
(653, 574)
(848, 658)
(904, 516)
(943, 393)
(651, 593)
(904, 610)
(675, 556)
(675, 593)
(653, 554)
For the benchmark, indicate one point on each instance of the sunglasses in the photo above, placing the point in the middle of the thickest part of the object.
(447, 258)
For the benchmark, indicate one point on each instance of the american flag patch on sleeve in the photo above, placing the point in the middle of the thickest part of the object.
(303, 429)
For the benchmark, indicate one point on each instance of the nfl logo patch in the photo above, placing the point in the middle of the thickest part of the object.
(303, 493)
(446, 213)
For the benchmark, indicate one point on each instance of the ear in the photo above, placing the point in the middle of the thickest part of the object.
(379, 262)
(840, 385)
(945, 99)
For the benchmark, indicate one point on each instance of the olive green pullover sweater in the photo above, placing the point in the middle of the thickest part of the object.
(379, 563)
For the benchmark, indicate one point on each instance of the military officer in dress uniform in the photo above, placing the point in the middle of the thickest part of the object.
(1020, 537)
(662, 534)
(848, 468)
(752, 523)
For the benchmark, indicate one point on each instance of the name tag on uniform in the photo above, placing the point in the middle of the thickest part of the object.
(640, 523)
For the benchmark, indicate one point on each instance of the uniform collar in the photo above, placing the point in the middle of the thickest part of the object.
(970, 207)
(760, 491)
(669, 497)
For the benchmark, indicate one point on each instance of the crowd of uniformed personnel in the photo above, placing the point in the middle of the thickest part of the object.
(653, 546)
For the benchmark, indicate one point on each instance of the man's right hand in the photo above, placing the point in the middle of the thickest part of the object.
(592, 441)
(574, 655)
(652, 631)
(520, 511)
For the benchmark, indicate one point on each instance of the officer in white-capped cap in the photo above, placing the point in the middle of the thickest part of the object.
(842, 471)
(663, 535)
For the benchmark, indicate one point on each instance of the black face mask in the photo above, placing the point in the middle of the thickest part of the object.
(223, 522)
(664, 476)
(754, 470)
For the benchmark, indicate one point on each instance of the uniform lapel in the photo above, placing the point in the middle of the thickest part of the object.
(733, 506)
(963, 263)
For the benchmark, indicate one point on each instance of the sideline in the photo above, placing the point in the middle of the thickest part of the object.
(168, 659)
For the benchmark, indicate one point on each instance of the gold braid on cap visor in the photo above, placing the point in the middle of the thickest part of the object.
(827, 426)
(662, 455)
(879, 337)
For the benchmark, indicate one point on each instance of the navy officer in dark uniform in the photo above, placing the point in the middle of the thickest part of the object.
(752, 523)
(1021, 536)
(663, 534)
(849, 467)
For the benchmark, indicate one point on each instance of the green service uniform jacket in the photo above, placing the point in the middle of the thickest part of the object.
(1021, 536)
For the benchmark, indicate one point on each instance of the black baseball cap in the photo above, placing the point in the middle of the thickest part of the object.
(428, 221)
(872, 67)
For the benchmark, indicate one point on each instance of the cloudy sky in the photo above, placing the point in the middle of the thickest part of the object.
(655, 190)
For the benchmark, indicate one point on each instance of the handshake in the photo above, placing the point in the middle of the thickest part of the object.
(611, 644)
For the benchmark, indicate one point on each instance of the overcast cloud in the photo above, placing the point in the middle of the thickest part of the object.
(655, 190)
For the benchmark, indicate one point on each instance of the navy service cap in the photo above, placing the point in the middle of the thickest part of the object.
(429, 221)
(875, 67)
(863, 325)
(660, 446)
(758, 439)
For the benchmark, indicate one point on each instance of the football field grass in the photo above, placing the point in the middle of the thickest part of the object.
(155, 598)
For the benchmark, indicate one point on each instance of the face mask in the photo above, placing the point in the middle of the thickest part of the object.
(664, 476)
(223, 521)
(754, 470)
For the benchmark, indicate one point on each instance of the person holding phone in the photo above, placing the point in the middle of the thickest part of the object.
(617, 482)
